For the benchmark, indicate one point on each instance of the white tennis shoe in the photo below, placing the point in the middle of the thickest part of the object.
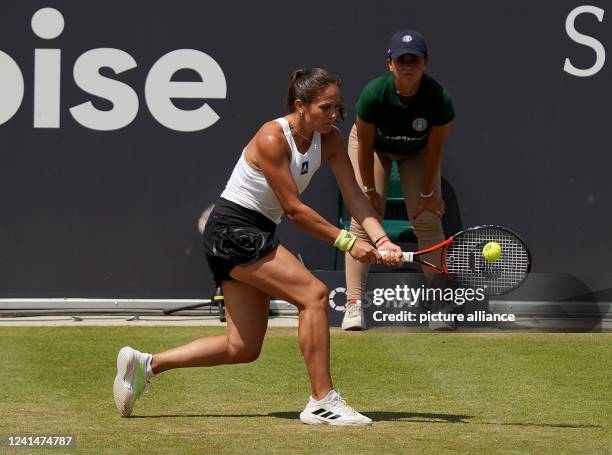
(353, 317)
(332, 410)
(131, 380)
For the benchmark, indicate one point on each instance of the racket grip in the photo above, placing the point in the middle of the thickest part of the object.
(407, 256)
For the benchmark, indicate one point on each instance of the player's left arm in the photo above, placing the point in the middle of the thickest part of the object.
(354, 198)
(433, 162)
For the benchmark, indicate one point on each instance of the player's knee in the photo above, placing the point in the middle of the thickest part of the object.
(319, 296)
(249, 355)
(243, 353)
(314, 297)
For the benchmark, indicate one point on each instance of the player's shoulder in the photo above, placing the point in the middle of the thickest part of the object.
(270, 141)
(270, 133)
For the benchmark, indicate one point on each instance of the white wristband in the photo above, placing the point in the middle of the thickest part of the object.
(428, 195)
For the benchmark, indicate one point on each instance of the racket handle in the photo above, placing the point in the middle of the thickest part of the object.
(407, 256)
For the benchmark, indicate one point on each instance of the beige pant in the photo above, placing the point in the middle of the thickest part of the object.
(427, 227)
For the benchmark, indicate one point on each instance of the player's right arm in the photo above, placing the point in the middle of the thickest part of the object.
(273, 159)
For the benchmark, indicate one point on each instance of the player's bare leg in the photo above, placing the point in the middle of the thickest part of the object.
(247, 320)
(281, 274)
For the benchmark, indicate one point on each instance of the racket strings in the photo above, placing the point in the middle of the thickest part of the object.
(467, 265)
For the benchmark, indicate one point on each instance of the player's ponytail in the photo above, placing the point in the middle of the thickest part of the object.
(291, 96)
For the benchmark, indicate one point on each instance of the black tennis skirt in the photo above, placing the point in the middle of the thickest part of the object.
(235, 235)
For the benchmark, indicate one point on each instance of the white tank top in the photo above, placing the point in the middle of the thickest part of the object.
(249, 188)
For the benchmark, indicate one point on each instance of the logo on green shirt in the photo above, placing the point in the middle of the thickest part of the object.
(419, 124)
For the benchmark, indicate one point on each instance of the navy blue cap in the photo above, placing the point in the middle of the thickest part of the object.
(407, 42)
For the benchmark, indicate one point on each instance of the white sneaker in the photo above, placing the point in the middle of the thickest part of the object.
(353, 317)
(332, 410)
(131, 380)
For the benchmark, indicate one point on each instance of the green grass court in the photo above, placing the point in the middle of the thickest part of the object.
(476, 393)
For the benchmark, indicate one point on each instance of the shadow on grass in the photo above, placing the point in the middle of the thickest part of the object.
(528, 424)
(379, 416)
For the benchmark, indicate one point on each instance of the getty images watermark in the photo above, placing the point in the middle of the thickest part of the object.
(404, 293)
(398, 304)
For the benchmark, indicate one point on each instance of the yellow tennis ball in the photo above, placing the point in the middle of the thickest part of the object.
(492, 251)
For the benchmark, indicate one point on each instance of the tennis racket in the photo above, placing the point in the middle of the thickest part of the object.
(462, 260)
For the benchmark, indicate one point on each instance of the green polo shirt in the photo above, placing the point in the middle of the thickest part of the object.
(402, 129)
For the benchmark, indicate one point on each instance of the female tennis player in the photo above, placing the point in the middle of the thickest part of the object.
(405, 116)
(247, 260)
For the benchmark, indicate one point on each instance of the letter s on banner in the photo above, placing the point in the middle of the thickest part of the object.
(586, 40)
(122, 96)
